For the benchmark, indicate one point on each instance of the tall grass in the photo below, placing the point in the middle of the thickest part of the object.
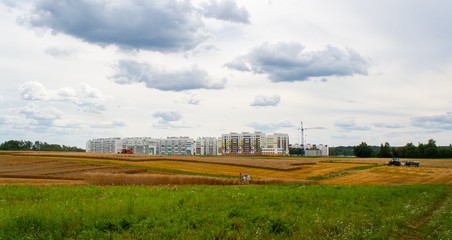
(226, 212)
(163, 179)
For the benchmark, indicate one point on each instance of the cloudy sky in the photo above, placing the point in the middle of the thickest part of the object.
(373, 71)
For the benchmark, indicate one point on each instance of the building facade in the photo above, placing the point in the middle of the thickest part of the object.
(276, 144)
(176, 146)
(104, 145)
(141, 145)
(244, 143)
(206, 146)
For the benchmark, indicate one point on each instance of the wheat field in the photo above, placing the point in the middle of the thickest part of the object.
(74, 168)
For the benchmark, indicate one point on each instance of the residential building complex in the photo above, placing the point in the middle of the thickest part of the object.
(244, 143)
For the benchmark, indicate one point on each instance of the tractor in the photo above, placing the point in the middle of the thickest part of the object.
(394, 162)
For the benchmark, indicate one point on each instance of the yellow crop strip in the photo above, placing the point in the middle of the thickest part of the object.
(223, 169)
(394, 176)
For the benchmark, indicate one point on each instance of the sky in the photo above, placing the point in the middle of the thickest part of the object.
(353, 71)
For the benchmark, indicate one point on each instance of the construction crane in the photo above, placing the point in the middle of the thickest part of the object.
(302, 136)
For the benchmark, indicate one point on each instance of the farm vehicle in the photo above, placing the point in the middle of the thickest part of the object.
(396, 162)
(126, 151)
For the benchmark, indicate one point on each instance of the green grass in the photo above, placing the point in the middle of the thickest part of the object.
(226, 212)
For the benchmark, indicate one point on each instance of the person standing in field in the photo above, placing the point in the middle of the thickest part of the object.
(240, 177)
(248, 179)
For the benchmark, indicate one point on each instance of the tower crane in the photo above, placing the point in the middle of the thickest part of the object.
(302, 136)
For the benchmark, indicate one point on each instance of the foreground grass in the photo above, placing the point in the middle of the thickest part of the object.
(225, 212)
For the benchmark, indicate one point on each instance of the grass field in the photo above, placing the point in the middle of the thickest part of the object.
(226, 212)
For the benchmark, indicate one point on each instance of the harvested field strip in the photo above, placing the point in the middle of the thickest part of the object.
(385, 175)
(275, 163)
(226, 170)
(160, 179)
(40, 182)
(39, 177)
(90, 169)
(342, 172)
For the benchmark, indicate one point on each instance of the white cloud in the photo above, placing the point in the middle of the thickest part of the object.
(270, 127)
(42, 116)
(263, 101)
(288, 62)
(129, 71)
(1, 99)
(108, 124)
(88, 98)
(34, 91)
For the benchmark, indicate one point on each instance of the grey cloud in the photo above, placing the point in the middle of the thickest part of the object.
(168, 116)
(434, 122)
(350, 125)
(386, 125)
(263, 101)
(57, 52)
(140, 24)
(288, 62)
(226, 10)
(270, 127)
(88, 98)
(129, 71)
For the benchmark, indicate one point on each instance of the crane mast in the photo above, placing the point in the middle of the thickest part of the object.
(303, 150)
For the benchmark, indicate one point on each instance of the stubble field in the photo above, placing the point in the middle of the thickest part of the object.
(72, 168)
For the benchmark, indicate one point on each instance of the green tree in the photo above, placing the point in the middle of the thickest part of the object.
(363, 150)
(430, 150)
(385, 151)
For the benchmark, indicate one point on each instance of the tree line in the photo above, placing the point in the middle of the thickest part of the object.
(16, 145)
(429, 150)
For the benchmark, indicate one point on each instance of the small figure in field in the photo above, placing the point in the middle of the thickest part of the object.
(240, 177)
(245, 178)
(248, 179)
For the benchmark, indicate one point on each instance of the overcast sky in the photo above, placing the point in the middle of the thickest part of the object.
(373, 71)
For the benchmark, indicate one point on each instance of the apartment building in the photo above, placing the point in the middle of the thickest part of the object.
(176, 146)
(104, 145)
(244, 143)
(276, 144)
(206, 146)
(141, 145)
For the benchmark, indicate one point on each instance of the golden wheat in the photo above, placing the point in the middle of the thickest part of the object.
(160, 179)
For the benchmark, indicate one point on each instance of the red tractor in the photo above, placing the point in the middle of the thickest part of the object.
(126, 151)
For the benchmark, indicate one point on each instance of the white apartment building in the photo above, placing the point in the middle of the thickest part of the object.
(276, 144)
(206, 146)
(104, 145)
(176, 146)
(141, 145)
